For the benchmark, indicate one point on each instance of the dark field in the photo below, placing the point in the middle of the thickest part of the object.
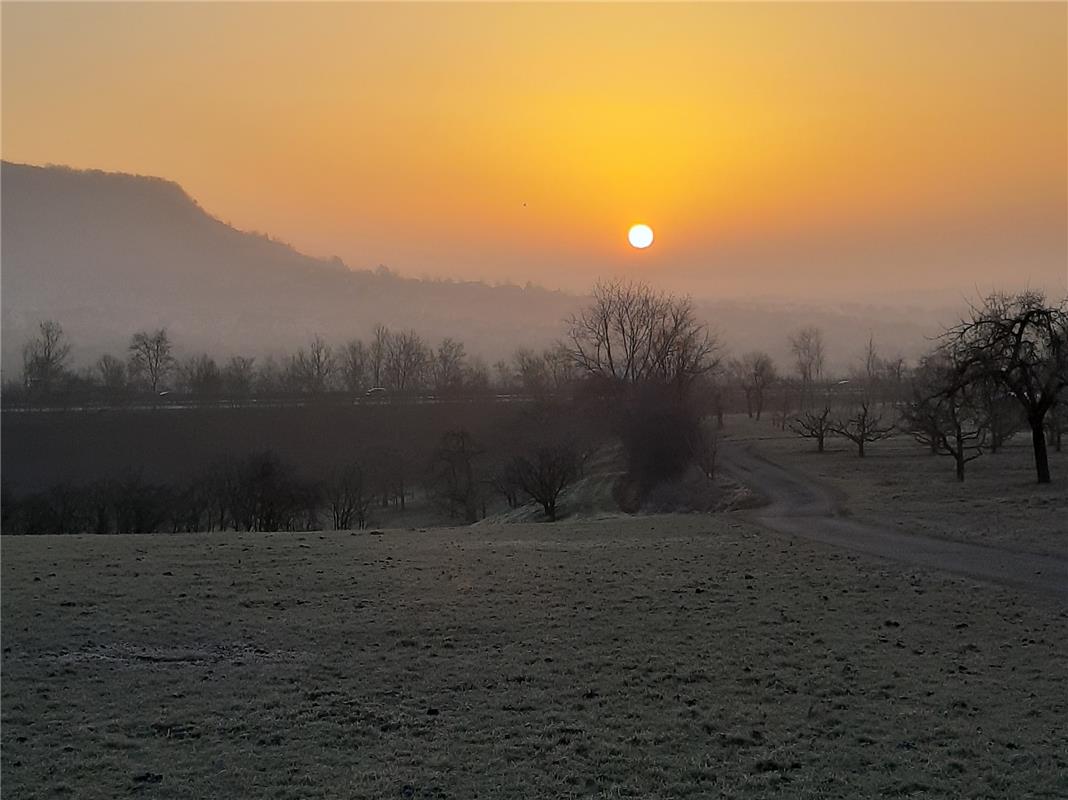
(674, 657)
(44, 448)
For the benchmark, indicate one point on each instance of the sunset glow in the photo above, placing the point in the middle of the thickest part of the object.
(808, 148)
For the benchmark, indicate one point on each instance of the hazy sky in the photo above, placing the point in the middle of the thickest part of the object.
(848, 150)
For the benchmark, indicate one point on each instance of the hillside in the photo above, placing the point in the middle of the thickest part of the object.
(107, 254)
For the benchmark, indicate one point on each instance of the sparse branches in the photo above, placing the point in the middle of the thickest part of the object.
(943, 413)
(808, 350)
(447, 366)
(755, 372)
(863, 425)
(354, 360)
(202, 376)
(1021, 342)
(406, 360)
(347, 495)
(814, 424)
(313, 368)
(543, 474)
(150, 357)
(632, 334)
(111, 372)
(44, 358)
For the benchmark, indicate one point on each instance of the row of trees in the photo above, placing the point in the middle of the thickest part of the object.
(655, 372)
(401, 362)
(262, 492)
(1002, 369)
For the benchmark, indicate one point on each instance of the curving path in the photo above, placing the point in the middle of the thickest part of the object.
(800, 506)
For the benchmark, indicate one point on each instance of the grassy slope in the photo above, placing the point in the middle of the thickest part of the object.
(681, 656)
(898, 483)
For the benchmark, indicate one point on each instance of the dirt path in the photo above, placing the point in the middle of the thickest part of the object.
(801, 506)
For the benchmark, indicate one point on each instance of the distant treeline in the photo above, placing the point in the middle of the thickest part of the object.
(655, 374)
(399, 362)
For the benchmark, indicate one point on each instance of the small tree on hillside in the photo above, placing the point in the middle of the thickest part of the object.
(543, 474)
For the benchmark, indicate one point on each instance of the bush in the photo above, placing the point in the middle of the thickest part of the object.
(657, 427)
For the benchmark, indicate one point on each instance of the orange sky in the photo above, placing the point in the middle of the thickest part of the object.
(843, 150)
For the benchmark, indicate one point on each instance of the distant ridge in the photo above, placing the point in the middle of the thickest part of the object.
(107, 254)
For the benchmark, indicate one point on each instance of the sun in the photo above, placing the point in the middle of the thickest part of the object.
(640, 236)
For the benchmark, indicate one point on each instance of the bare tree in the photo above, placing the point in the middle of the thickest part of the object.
(863, 425)
(347, 495)
(111, 372)
(943, 413)
(355, 359)
(201, 375)
(1021, 342)
(632, 334)
(150, 357)
(238, 375)
(44, 358)
(1002, 415)
(531, 371)
(807, 348)
(756, 372)
(376, 353)
(313, 368)
(559, 367)
(406, 361)
(1057, 422)
(447, 366)
(815, 424)
(543, 474)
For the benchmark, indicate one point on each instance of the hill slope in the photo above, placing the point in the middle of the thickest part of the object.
(107, 254)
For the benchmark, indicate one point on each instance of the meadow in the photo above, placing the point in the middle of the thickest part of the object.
(657, 656)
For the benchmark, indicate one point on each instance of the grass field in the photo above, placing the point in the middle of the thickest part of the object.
(675, 656)
(899, 484)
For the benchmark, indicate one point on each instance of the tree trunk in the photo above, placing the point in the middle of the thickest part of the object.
(860, 448)
(1038, 441)
(819, 442)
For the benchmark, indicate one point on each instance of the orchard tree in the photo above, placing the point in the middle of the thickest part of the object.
(1019, 341)
(944, 413)
(863, 425)
(815, 424)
